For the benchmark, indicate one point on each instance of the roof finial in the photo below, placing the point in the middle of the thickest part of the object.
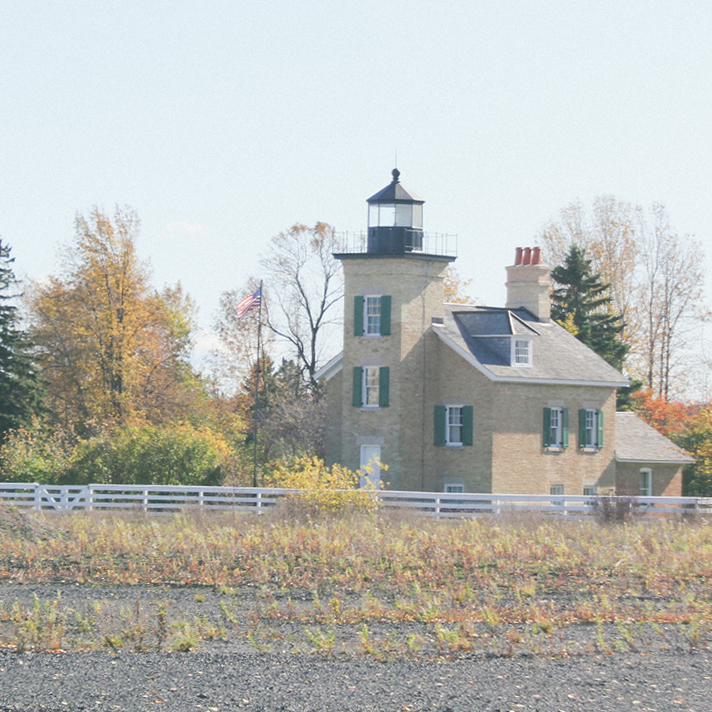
(396, 175)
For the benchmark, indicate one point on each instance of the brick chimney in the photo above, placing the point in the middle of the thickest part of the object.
(528, 283)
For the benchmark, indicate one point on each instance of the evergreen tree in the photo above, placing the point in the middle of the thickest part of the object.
(581, 304)
(20, 382)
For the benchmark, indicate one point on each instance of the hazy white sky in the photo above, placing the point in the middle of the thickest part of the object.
(225, 122)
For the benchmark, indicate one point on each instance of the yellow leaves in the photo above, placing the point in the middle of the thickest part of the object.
(114, 349)
(323, 489)
(455, 288)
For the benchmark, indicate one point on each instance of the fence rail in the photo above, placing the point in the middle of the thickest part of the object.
(167, 499)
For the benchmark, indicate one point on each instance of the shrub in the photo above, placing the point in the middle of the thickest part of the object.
(321, 489)
(611, 508)
(35, 454)
(172, 454)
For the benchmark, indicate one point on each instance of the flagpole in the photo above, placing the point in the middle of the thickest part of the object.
(257, 387)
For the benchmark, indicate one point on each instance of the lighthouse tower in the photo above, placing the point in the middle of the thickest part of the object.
(379, 401)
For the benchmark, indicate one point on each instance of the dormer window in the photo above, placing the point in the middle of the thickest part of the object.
(521, 352)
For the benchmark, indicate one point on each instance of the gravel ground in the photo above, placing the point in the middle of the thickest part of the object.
(229, 673)
(301, 683)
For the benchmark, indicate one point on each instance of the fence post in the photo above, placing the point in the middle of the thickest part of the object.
(38, 499)
(144, 501)
(437, 508)
(259, 502)
(90, 498)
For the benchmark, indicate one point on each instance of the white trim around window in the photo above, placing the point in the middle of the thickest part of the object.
(646, 482)
(453, 425)
(370, 388)
(454, 488)
(521, 352)
(371, 315)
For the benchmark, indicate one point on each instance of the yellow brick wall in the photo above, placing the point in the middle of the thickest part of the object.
(416, 289)
(522, 464)
(667, 479)
(507, 455)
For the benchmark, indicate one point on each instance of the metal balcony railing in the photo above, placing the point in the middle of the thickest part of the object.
(433, 243)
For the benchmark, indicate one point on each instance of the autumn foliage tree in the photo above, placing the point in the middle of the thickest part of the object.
(655, 276)
(113, 348)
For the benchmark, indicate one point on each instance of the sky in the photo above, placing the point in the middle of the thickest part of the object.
(223, 123)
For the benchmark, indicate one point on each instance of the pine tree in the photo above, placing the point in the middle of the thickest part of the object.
(581, 304)
(20, 383)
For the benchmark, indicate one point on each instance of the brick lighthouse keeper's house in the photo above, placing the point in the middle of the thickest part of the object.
(475, 399)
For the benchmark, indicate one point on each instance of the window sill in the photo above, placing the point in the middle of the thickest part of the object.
(590, 449)
(455, 445)
(554, 448)
(370, 407)
(372, 336)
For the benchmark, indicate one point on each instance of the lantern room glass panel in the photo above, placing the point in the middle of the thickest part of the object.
(404, 215)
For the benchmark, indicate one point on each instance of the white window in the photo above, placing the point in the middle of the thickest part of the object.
(557, 428)
(556, 489)
(372, 316)
(454, 489)
(646, 483)
(521, 352)
(453, 432)
(589, 491)
(590, 428)
(370, 388)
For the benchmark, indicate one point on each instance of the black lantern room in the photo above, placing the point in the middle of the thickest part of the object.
(395, 220)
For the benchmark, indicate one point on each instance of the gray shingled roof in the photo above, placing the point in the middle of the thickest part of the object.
(483, 335)
(636, 441)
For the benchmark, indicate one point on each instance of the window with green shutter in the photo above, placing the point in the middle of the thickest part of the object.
(358, 316)
(556, 428)
(357, 387)
(372, 315)
(467, 424)
(453, 424)
(439, 423)
(371, 387)
(546, 431)
(600, 428)
(565, 427)
(384, 387)
(385, 315)
(590, 428)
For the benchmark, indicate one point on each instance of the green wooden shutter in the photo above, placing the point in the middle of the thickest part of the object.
(439, 423)
(358, 316)
(384, 387)
(565, 434)
(547, 427)
(385, 316)
(599, 442)
(358, 384)
(467, 417)
(582, 428)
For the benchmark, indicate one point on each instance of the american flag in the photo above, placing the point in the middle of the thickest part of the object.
(248, 303)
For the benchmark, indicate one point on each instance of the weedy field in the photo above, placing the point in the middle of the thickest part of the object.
(376, 585)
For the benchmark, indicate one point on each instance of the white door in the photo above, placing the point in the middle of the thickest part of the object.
(371, 466)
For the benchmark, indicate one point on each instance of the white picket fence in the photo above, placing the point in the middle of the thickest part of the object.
(166, 499)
